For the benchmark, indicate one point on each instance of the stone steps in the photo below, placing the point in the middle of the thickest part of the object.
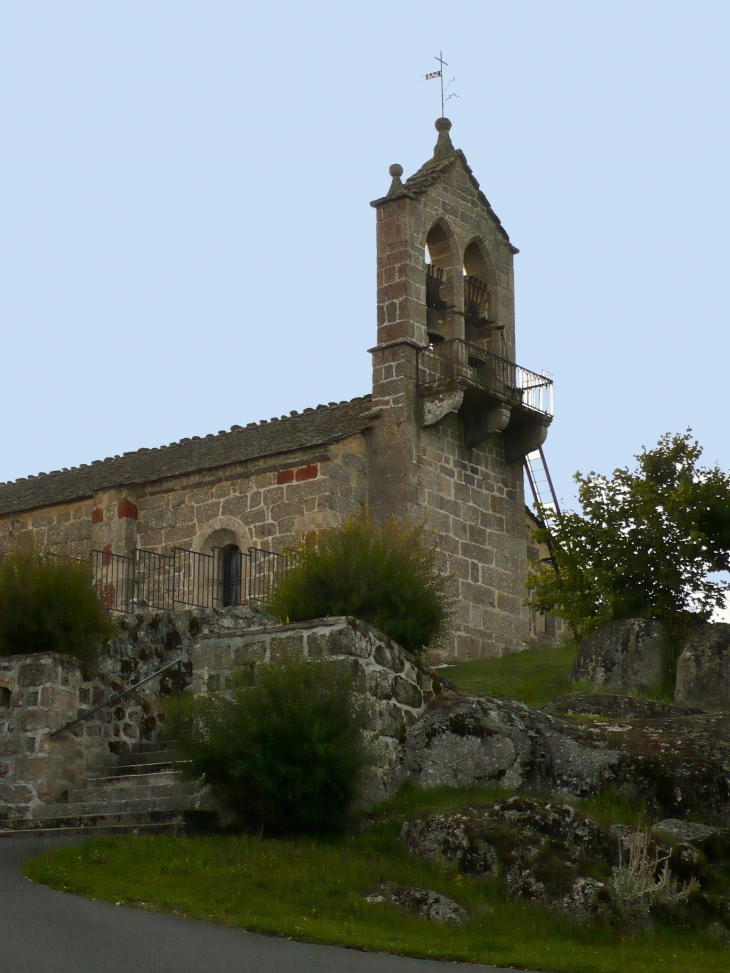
(145, 793)
(144, 822)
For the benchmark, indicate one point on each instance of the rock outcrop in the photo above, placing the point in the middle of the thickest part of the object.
(676, 760)
(550, 853)
(624, 656)
(541, 850)
(703, 669)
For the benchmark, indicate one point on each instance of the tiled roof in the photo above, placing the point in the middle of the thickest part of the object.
(313, 427)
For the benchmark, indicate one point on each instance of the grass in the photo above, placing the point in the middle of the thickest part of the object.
(313, 891)
(536, 676)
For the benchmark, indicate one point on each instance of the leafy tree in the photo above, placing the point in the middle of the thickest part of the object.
(383, 575)
(644, 545)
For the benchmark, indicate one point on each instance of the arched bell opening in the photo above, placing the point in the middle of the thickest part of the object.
(439, 258)
(480, 326)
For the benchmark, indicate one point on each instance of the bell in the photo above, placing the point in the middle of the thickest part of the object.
(432, 326)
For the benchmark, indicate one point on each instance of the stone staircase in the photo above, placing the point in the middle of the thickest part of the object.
(146, 793)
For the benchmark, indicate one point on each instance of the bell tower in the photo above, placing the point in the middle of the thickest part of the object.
(456, 414)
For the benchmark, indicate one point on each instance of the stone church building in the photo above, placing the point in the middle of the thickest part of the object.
(441, 438)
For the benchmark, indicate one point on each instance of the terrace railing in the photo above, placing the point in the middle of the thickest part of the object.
(439, 365)
(183, 579)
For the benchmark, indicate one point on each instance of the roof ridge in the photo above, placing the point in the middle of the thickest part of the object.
(186, 441)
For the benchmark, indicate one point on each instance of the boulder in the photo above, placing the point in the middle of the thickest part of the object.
(470, 743)
(541, 850)
(624, 656)
(685, 832)
(425, 903)
(617, 707)
(703, 669)
(677, 761)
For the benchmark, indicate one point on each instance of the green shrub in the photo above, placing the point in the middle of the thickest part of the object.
(385, 576)
(283, 752)
(48, 604)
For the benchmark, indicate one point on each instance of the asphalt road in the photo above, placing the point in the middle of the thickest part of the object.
(44, 931)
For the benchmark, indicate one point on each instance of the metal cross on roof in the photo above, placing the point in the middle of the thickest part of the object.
(440, 74)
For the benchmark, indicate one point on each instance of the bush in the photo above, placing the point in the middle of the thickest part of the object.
(645, 881)
(384, 576)
(283, 753)
(48, 604)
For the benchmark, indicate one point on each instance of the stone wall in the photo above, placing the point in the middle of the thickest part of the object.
(394, 686)
(41, 693)
(477, 509)
(37, 694)
(269, 502)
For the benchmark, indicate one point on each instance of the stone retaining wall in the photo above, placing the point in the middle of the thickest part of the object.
(394, 686)
(41, 693)
(38, 693)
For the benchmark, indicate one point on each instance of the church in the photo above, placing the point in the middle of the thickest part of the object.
(441, 439)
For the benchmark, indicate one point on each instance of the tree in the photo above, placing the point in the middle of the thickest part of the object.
(644, 545)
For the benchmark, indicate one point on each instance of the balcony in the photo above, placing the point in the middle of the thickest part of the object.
(456, 363)
(491, 395)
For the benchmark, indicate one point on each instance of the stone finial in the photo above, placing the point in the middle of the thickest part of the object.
(396, 171)
(443, 147)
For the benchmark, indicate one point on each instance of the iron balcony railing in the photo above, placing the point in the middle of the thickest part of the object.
(185, 579)
(439, 365)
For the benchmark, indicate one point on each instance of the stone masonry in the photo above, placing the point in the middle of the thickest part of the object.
(453, 462)
(42, 693)
(450, 459)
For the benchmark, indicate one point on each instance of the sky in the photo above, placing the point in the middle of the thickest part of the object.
(186, 241)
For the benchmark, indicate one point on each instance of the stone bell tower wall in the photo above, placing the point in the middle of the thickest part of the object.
(470, 496)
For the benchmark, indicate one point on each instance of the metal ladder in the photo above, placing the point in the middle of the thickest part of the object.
(543, 493)
(541, 484)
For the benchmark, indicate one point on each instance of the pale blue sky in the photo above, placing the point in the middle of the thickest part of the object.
(185, 235)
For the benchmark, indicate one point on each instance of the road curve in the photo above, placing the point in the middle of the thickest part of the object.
(45, 931)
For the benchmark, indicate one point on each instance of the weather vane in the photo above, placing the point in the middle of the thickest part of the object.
(440, 74)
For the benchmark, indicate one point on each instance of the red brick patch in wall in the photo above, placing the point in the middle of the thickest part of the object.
(97, 515)
(303, 473)
(306, 473)
(106, 557)
(127, 509)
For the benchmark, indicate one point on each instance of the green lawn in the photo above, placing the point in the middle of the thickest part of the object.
(313, 891)
(536, 677)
